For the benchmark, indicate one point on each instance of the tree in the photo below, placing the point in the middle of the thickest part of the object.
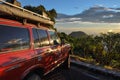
(31, 8)
(94, 47)
(41, 8)
(15, 2)
(52, 14)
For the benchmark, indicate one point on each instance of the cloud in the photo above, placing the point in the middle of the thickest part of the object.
(76, 7)
(98, 5)
(108, 16)
(68, 20)
(87, 27)
(96, 14)
(95, 20)
(115, 5)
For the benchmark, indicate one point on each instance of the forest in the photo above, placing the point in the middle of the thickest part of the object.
(103, 49)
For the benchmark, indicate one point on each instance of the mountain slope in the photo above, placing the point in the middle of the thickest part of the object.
(94, 14)
(77, 34)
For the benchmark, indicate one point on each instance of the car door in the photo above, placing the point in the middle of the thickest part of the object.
(15, 52)
(55, 46)
(44, 56)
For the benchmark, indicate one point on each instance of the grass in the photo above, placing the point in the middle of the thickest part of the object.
(92, 61)
(87, 60)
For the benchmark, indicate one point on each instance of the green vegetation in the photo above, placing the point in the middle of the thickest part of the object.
(52, 14)
(103, 49)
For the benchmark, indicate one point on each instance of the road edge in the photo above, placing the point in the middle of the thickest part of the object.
(97, 69)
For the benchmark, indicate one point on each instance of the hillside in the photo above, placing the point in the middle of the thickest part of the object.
(93, 14)
(78, 34)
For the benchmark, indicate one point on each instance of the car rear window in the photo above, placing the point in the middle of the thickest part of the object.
(13, 38)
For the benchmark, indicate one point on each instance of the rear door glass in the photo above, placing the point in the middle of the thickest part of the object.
(13, 38)
(36, 38)
(43, 37)
(40, 38)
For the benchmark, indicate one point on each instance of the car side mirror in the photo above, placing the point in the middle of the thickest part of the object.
(55, 42)
(63, 41)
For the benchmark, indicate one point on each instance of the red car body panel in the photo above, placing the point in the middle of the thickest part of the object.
(15, 65)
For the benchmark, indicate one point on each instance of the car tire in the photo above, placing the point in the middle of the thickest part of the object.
(34, 76)
(66, 63)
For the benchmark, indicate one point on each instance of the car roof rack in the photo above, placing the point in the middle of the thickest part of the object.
(9, 9)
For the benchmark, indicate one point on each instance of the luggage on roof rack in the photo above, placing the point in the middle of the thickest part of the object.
(8, 9)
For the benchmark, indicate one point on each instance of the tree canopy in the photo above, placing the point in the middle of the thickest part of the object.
(52, 14)
(104, 49)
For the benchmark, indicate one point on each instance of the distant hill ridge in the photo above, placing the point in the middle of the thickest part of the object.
(93, 14)
(77, 34)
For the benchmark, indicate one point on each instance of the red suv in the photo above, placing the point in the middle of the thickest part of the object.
(28, 52)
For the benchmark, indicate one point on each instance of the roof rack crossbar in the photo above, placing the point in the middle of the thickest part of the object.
(20, 8)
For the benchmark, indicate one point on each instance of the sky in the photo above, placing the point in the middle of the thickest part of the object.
(72, 7)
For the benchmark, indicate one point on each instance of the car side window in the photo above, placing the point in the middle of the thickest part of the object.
(43, 37)
(54, 39)
(40, 38)
(13, 38)
(36, 38)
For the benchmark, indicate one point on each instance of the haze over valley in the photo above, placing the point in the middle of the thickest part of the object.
(95, 20)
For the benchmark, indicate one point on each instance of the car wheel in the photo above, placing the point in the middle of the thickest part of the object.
(66, 64)
(34, 76)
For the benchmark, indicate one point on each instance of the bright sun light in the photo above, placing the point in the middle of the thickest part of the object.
(110, 30)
